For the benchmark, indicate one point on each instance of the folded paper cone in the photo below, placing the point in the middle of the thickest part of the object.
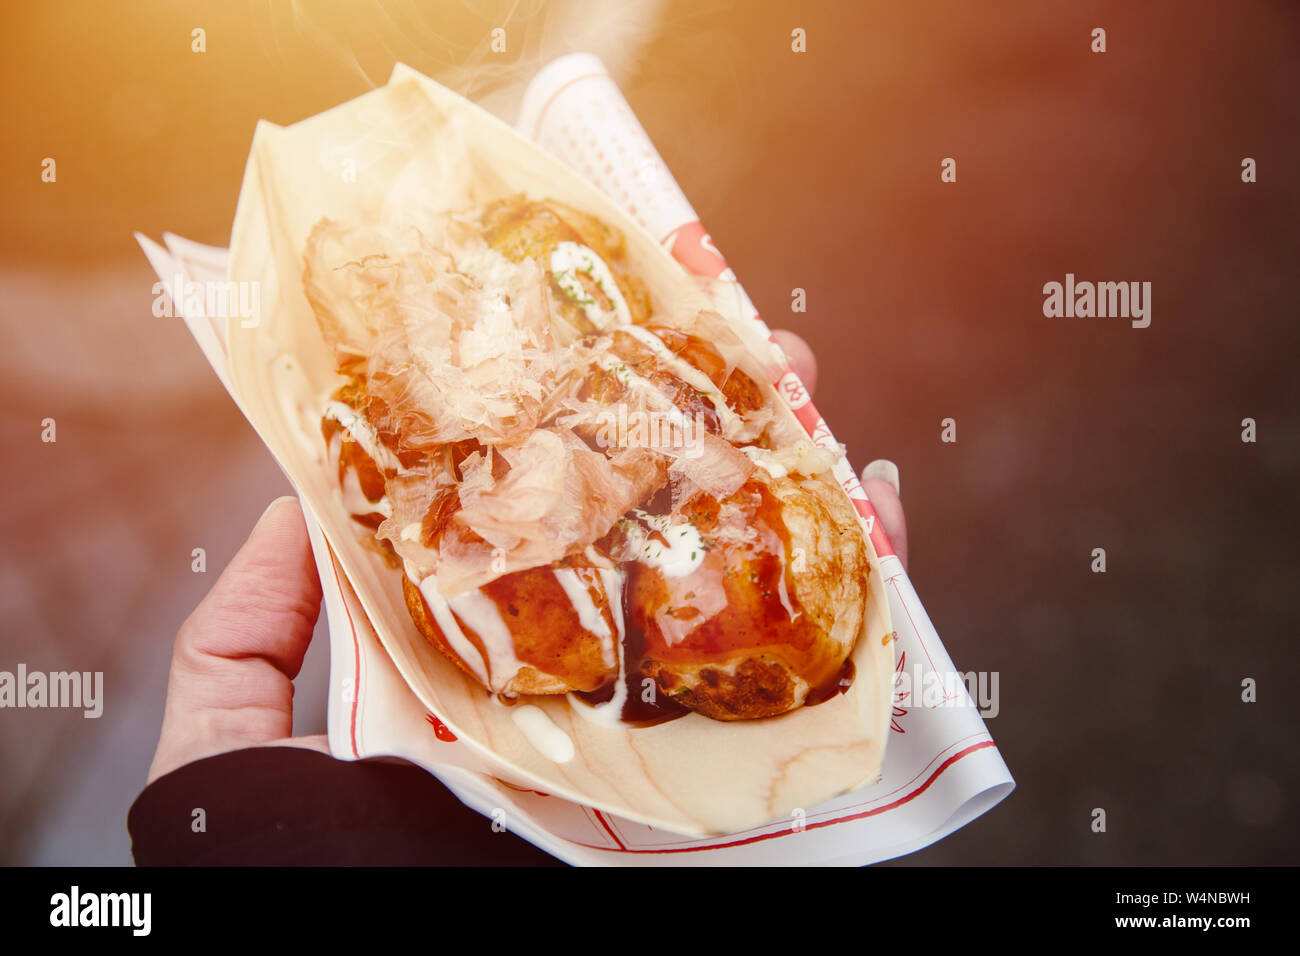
(411, 149)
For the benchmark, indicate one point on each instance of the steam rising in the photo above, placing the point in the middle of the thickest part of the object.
(453, 40)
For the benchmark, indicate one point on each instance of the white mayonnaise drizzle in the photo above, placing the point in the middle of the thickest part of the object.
(785, 598)
(480, 614)
(360, 431)
(689, 374)
(570, 258)
(355, 500)
(611, 582)
(349, 492)
(610, 713)
(683, 553)
(462, 645)
(551, 742)
(597, 559)
(589, 616)
(497, 664)
(633, 381)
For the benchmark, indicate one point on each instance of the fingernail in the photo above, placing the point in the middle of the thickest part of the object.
(277, 501)
(886, 471)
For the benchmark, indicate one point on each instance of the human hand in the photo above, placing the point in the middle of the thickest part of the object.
(235, 657)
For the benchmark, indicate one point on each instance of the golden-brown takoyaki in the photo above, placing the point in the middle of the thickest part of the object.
(582, 496)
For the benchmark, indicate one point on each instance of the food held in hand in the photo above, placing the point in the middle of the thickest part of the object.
(585, 492)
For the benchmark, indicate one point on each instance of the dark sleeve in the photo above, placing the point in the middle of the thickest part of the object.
(291, 806)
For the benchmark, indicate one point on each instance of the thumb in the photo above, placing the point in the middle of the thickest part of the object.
(235, 657)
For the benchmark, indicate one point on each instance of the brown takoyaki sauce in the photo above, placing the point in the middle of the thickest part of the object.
(728, 615)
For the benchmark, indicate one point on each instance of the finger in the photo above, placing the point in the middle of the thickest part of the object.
(235, 657)
(889, 512)
(801, 357)
(880, 482)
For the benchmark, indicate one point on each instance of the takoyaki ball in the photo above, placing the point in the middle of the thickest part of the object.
(546, 630)
(759, 604)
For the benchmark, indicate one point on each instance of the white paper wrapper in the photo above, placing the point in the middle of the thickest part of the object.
(941, 767)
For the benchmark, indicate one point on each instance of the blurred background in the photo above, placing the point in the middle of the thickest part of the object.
(817, 170)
